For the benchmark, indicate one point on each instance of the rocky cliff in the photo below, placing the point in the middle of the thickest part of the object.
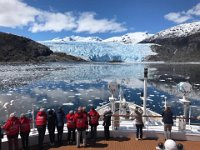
(15, 48)
(179, 43)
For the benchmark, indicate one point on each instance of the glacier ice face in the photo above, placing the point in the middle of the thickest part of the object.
(103, 51)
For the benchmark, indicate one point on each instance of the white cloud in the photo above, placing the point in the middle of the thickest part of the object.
(177, 17)
(16, 13)
(180, 17)
(49, 21)
(88, 23)
(195, 10)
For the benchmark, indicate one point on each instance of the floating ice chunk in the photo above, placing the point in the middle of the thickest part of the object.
(97, 98)
(197, 84)
(149, 99)
(68, 104)
(162, 80)
(72, 96)
(151, 95)
(11, 102)
(5, 105)
(78, 94)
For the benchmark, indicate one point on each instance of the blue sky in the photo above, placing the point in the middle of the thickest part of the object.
(48, 19)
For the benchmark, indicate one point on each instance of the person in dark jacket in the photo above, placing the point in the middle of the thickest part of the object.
(24, 131)
(1, 135)
(60, 115)
(41, 121)
(71, 126)
(12, 130)
(168, 122)
(93, 121)
(51, 120)
(106, 123)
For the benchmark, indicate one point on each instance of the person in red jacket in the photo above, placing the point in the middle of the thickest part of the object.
(71, 126)
(24, 130)
(11, 128)
(41, 121)
(80, 120)
(93, 121)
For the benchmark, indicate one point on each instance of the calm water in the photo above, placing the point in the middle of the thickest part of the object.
(70, 85)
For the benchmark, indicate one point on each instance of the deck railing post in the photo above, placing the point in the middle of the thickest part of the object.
(145, 92)
(112, 102)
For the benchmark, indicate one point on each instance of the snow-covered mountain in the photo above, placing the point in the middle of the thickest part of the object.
(75, 39)
(182, 30)
(180, 43)
(129, 37)
(126, 39)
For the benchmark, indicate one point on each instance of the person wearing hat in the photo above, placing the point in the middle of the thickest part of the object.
(41, 121)
(80, 120)
(24, 130)
(70, 126)
(60, 115)
(11, 128)
(107, 123)
(167, 116)
(51, 124)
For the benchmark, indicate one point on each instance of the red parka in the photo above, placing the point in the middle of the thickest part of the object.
(93, 117)
(24, 125)
(12, 126)
(41, 118)
(80, 120)
(70, 120)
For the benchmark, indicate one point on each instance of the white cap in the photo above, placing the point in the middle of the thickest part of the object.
(170, 145)
(12, 114)
(41, 109)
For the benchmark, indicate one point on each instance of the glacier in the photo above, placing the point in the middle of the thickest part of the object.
(103, 51)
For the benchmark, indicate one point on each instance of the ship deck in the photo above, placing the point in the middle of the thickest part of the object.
(123, 143)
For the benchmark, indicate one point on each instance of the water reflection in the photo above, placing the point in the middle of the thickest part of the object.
(70, 85)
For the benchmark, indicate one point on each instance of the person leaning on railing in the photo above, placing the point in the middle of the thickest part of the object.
(137, 115)
(71, 127)
(11, 128)
(80, 120)
(1, 135)
(24, 130)
(168, 122)
(106, 123)
(51, 120)
(93, 122)
(60, 115)
(41, 121)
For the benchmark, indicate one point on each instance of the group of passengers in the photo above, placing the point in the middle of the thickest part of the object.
(75, 120)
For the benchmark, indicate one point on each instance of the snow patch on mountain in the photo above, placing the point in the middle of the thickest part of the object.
(129, 38)
(182, 30)
(75, 39)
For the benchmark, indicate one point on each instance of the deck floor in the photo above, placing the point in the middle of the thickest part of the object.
(122, 144)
